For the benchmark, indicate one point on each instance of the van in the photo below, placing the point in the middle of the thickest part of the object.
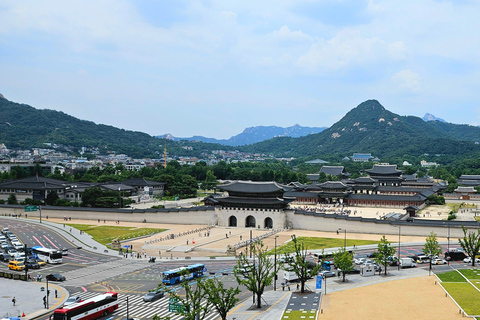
(16, 265)
(19, 256)
(423, 259)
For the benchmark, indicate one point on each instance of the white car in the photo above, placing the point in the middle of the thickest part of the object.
(469, 260)
(439, 261)
(17, 245)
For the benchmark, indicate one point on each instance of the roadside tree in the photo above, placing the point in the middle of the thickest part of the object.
(470, 243)
(221, 298)
(344, 261)
(299, 264)
(257, 274)
(191, 303)
(431, 247)
(385, 251)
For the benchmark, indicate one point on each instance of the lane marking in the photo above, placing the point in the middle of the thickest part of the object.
(50, 241)
(38, 241)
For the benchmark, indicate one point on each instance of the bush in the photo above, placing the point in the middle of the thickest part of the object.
(451, 216)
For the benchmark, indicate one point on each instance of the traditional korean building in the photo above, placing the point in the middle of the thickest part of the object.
(386, 175)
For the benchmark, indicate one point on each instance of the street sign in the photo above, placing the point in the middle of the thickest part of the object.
(318, 286)
(30, 208)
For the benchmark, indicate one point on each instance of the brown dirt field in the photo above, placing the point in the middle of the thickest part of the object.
(414, 298)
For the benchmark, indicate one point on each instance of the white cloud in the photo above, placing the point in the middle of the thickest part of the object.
(407, 79)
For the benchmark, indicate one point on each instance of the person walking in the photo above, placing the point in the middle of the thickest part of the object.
(56, 294)
(14, 300)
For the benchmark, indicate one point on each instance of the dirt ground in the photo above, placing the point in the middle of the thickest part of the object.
(216, 243)
(414, 298)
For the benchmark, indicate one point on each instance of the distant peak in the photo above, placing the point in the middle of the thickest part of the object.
(430, 117)
(2, 97)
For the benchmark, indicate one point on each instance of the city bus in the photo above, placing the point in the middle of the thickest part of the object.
(176, 275)
(89, 309)
(52, 256)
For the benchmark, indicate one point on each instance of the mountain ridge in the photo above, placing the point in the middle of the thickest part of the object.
(255, 134)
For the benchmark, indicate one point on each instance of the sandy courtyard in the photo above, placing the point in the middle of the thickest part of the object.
(414, 298)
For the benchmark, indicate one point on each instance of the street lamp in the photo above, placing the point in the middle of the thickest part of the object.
(345, 239)
(275, 266)
(399, 230)
(448, 243)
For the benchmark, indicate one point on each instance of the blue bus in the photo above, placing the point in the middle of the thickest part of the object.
(176, 275)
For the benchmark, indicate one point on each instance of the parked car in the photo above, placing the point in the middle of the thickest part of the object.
(469, 260)
(327, 274)
(439, 261)
(55, 277)
(72, 300)
(154, 295)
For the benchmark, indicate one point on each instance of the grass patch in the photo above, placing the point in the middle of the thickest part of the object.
(456, 206)
(477, 218)
(297, 314)
(105, 234)
(451, 276)
(470, 273)
(313, 243)
(465, 295)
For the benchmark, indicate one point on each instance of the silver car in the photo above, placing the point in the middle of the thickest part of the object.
(72, 300)
(154, 295)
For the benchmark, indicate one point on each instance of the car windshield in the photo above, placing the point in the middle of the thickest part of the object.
(150, 294)
(72, 299)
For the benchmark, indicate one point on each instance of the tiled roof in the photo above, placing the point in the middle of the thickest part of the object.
(383, 169)
(386, 197)
(332, 170)
(249, 187)
(139, 182)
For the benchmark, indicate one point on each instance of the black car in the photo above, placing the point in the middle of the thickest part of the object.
(32, 264)
(55, 277)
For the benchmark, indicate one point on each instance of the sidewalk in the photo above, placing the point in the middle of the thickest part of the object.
(29, 296)
(277, 303)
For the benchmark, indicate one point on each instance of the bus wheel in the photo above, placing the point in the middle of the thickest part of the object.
(105, 313)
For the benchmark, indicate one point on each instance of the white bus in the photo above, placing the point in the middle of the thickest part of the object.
(48, 255)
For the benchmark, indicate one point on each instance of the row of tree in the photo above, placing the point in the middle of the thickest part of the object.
(258, 273)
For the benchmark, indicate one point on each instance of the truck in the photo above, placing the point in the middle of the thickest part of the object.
(290, 276)
(407, 263)
(455, 255)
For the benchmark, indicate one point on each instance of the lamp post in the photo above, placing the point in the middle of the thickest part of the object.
(448, 243)
(275, 266)
(399, 230)
(345, 238)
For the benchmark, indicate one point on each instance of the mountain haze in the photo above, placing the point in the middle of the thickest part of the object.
(256, 134)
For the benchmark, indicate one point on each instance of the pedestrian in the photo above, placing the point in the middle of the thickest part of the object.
(288, 286)
(70, 230)
(226, 235)
(45, 302)
(187, 242)
(56, 294)
(240, 238)
(283, 286)
(14, 301)
(298, 286)
(159, 253)
(230, 232)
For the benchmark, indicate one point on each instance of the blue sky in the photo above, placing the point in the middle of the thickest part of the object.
(214, 68)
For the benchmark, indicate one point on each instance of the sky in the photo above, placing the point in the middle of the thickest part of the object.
(214, 68)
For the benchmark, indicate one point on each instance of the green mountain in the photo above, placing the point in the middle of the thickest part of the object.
(370, 128)
(22, 126)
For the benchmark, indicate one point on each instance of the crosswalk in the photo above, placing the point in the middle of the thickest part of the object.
(142, 310)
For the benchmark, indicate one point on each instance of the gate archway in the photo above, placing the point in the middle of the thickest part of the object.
(268, 223)
(232, 221)
(250, 222)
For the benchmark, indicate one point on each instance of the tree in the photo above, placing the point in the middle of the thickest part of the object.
(192, 301)
(344, 261)
(221, 298)
(12, 199)
(210, 181)
(470, 243)
(384, 251)
(299, 264)
(52, 196)
(255, 275)
(431, 247)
